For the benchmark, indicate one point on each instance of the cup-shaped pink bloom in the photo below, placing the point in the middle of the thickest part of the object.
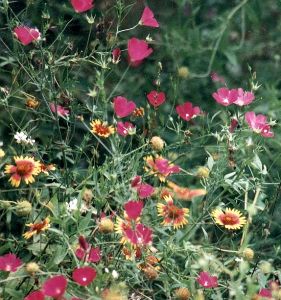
(26, 35)
(259, 124)
(9, 262)
(148, 19)
(116, 55)
(55, 286)
(145, 190)
(84, 275)
(36, 295)
(140, 236)
(136, 181)
(244, 97)
(207, 281)
(165, 168)
(123, 107)
(60, 110)
(265, 293)
(187, 112)
(125, 128)
(138, 50)
(133, 209)
(87, 252)
(225, 97)
(94, 255)
(156, 98)
(82, 5)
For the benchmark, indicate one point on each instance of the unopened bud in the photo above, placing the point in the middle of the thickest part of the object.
(157, 143)
(23, 208)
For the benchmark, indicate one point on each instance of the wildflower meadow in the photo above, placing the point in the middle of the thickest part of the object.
(140, 149)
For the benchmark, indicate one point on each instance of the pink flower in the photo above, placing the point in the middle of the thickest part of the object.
(244, 98)
(26, 35)
(125, 128)
(133, 209)
(187, 112)
(259, 124)
(164, 167)
(60, 110)
(116, 55)
(9, 262)
(155, 98)
(139, 236)
(217, 78)
(138, 50)
(147, 18)
(82, 5)
(225, 97)
(36, 295)
(84, 275)
(265, 293)
(233, 125)
(207, 281)
(87, 252)
(123, 107)
(136, 181)
(145, 190)
(55, 286)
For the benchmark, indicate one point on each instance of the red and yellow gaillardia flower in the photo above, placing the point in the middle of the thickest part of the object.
(25, 169)
(101, 128)
(231, 219)
(173, 215)
(36, 228)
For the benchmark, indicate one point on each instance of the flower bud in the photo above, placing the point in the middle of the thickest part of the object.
(23, 208)
(150, 273)
(248, 254)
(106, 225)
(265, 267)
(203, 172)
(32, 268)
(183, 72)
(5, 204)
(157, 143)
(182, 293)
(87, 195)
(31, 102)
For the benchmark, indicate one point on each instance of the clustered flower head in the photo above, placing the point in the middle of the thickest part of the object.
(22, 138)
(102, 129)
(231, 219)
(172, 214)
(25, 169)
(37, 228)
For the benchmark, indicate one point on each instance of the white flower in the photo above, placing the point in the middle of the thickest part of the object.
(22, 138)
(75, 205)
(115, 274)
(106, 270)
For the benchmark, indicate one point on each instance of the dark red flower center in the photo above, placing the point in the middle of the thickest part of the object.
(24, 167)
(229, 219)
